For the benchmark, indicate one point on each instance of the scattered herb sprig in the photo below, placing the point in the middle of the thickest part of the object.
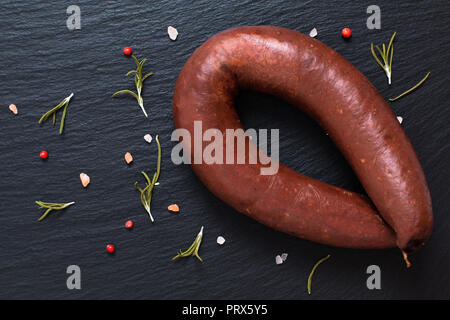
(193, 249)
(313, 270)
(139, 81)
(146, 193)
(386, 56)
(63, 104)
(411, 89)
(51, 206)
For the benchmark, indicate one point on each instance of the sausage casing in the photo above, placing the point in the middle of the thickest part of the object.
(313, 77)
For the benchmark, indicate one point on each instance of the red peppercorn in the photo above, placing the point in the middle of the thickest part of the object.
(43, 154)
(346, 33)
(110, 248)
(129, 224)
(127, 51)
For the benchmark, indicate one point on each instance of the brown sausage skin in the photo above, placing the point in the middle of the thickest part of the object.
(319, 81)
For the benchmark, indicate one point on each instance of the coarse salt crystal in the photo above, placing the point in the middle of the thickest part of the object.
(148, 138)
(220, 240)
(128, 158)
(313, 33)
(284, 256)
(173, 33)
(13, 108)
(278, 259)
(85, 179)
(173, 208)
(400, 119)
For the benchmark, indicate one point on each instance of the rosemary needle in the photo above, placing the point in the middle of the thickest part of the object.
(138, 81)
(193, 249)
(386, 56)
(51, 206)
(411, 89)
(52, 112)
(146, 193)
(313, 270)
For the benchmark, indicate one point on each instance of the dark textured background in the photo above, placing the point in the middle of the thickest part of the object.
(41, 62)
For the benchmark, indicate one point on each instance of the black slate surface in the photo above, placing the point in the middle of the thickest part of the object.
(42, 62)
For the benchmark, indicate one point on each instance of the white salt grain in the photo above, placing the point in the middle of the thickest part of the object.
(220, 240)
(313, 33)
(278, 259)
(148, 138)
(173, 33)
(284, 256)
(400, 119)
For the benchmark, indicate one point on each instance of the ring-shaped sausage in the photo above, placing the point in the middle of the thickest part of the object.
(313, 77)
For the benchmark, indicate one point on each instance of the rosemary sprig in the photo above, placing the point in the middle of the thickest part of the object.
(313, 270)
(51, 206)
(63, 104)
(193, 249)
(411, 89)
(386, 56)
(146, 193)
(139, 81)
